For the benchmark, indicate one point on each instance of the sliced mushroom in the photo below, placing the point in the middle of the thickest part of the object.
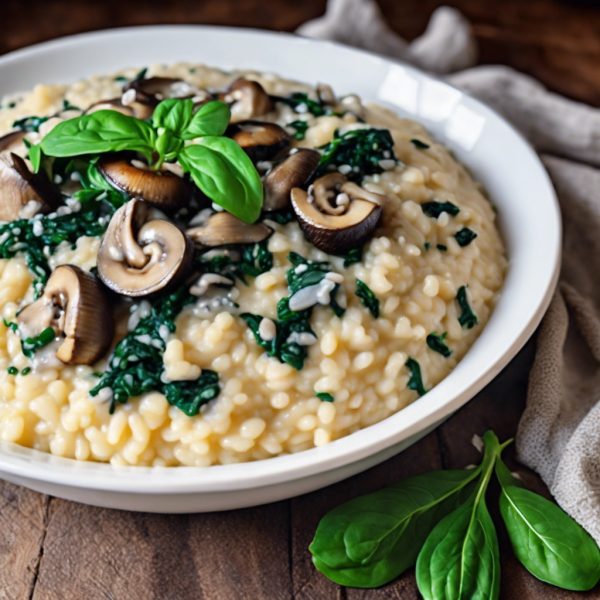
(11, 140)
(138, 257)
(155, 89)
(75, 305)
(23, 193)
(223, 229)
(326, 94)
(163, 188)
(260, 140)
(140, 110)
(326, 190)
(337, 232)
(293, 172)
(247, 100)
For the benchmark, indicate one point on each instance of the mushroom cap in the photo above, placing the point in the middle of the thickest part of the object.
(162, 188)
(140, 110)
(155, 89)
(247, 99)
(74, 303)
(260, 140)
(138, 258)
(223, 229)
(326, 189)
(335, 234)
(11, 140)
(19, 186)
(294, 171)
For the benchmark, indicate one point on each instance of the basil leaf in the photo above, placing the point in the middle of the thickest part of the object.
(370, 540)
(549, 543)
(461, 559)
(223, 171)
(99, 132)
(211, 119)
(35, 155)
(173, 114)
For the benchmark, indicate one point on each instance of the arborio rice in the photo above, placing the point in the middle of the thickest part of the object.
(412, 263)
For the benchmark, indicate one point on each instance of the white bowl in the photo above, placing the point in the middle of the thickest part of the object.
(496, 154)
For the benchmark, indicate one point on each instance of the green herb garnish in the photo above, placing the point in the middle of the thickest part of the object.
(468, 318)
(29, 123)
(465, 236)
(26, 371)
(440, 521)
(218, 166)
(12, 326)
(300, 127)
(354, 256)
(427, 245)
(31, 345)
(66, 105)
(324, 396)
(435, 209)
(436, 342)
(415, 381)
(301, 103)
(12, 371)
(360, 150)
(419, 144)
(367, 297)
(141, 74)
(441, 247)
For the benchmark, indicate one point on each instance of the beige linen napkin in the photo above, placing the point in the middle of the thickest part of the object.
(559, 433)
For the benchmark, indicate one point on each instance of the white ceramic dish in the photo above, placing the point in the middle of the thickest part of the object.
(496, 154)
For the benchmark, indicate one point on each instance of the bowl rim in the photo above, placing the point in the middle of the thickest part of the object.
(36, 465)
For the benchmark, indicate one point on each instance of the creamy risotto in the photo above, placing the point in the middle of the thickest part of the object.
(156, 313)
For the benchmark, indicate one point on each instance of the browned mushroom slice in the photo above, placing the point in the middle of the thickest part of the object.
(327, 190)
(139, 257)
(223, 229)
(293, 172)
(326, 95)
(11, 140)
(162, 188)
(140, 110)
(337, 233)
(260, 140)
(247, 100)
(155, 89)
(74, 304)
(23, 193)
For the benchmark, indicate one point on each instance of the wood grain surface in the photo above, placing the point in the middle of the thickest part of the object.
(55, 549)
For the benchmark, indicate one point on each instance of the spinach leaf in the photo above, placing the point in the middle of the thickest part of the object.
(415, 382)
(361, 150)
(367, 297)
(283, 217)
(550, 544)
(353, 256)
(66, 105)
(468, 318)
(211, 119)
(372, 539)
(29, 123)
(441, 247)
(99, 132)
(465, 236)
(324, 396)
(300, 127)
(301, 103)
(434, 209)
(437, 344)
(136, 365)
(30, 345)
(12, 371)
(419, 144)
(461, 558)
(223, 171)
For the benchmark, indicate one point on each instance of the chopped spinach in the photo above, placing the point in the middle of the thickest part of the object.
(367, 297)
(30, 345)
(468, 318)
(136, 364)
(419, 144)
(361, 150)
(121, 79)
(437, 344)
(13, 326)
(324, 396)
(26, 371)
(427, 245)
(415, 382)
(29, 123)
(305, 272)
(300, 127)
(12, 371)
(283, 216)
(442, 248)
(465, 236)
(435, 209)
(66, 105)
(301, 104)
(354, 256)
(141, 74)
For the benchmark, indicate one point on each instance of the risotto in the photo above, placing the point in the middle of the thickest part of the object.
(201, 267)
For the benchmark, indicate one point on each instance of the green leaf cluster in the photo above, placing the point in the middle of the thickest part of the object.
(440, 522)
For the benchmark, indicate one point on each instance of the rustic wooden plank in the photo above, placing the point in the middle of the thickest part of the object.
(98, 553)
(307, 510)
(23, 516)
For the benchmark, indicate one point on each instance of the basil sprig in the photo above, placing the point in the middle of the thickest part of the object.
(440, 521)
(216, 164)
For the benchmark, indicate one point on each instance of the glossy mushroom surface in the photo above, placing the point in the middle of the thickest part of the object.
(140, 255)
(247, 100)
(75, 305)
(260, 140)
(222, 229)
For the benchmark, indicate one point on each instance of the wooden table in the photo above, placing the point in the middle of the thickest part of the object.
(55, 549)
